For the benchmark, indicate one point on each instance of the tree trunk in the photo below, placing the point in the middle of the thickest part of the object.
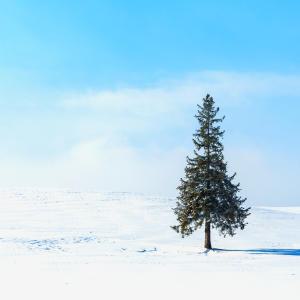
(207, 243)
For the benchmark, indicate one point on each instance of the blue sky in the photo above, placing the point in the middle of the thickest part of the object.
(101, 94)
(99, 43)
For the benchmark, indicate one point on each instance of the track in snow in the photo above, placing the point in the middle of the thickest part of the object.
(125, 227)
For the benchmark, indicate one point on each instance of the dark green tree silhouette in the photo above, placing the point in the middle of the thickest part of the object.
(207, 194)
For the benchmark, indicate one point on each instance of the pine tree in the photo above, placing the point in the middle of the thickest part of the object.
(207, 194)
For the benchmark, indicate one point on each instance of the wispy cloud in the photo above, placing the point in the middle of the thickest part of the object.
(108, 154)
(100, 165)
(230, 88)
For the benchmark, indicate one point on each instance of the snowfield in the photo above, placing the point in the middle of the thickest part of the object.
(88, 245)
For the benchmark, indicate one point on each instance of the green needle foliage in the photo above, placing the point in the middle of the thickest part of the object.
(207, 194)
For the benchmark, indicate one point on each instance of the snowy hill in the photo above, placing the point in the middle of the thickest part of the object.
(113, 238)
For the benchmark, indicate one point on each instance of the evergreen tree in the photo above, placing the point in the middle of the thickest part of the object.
(207, 194)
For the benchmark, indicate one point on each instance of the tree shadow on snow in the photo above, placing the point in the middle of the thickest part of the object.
(272, 251)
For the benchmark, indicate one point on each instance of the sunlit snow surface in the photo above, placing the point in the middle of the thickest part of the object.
(89, 245)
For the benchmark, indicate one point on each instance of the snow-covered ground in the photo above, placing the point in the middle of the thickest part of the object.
(87, 245)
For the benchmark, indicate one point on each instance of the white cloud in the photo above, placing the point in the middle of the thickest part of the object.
(229, 88)
(101, 165)
(108, 161)
(167, 104)
(266, 178)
